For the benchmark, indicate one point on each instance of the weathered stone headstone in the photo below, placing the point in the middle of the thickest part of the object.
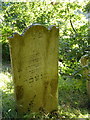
(85, 61)
(34, 57)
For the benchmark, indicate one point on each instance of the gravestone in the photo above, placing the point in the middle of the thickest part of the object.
(85, 61)
(34, 58)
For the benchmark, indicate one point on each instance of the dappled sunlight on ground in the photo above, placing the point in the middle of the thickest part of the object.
(4, 78)
(69, 112)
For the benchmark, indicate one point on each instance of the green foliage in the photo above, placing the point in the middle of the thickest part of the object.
(5, 52)
(73, 39)
(87, 7)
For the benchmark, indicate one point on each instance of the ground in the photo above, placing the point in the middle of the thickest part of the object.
(72, 98)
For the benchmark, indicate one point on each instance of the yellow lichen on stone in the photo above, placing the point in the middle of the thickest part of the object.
(34, 57)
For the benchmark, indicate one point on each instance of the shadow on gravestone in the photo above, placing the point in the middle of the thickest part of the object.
(34, 59)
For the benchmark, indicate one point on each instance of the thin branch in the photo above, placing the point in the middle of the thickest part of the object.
(72, 26)
(71, 21)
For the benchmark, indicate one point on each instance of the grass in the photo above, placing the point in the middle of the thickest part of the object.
(72, 99)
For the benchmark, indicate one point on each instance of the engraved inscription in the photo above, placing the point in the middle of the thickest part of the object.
(34, 67)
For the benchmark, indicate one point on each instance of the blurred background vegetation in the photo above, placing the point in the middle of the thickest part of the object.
(72, 18)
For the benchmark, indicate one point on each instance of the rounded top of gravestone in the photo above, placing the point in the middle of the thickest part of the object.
(39, 26)
(34, 27)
